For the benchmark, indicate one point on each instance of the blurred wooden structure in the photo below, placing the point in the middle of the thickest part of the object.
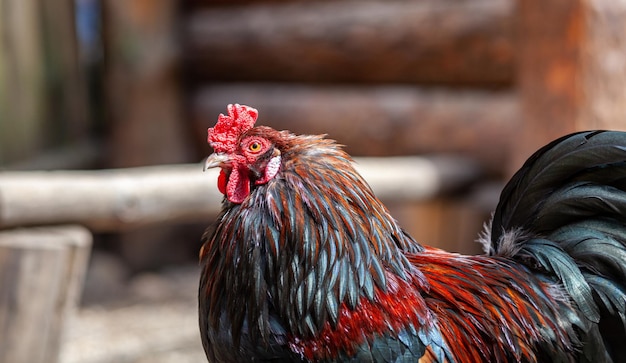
(489, 79)
(142, 84)
(572, 69)
(41, 276)
(427, 42)
(43, 99)
(437, 79)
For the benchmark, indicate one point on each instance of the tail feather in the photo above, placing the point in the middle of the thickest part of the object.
(594, 249)
(613, 297)
(554, 260)
(566, 211)
(591, 155)
(580, 200)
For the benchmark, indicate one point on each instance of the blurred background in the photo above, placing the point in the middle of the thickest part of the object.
(110, 84)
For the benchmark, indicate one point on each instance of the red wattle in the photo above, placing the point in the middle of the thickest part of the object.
(238, 187)
(222, 180)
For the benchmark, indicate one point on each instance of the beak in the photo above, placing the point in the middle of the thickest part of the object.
(215, 160)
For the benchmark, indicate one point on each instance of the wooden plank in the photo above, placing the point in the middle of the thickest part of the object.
(41, 276)
(378, 121)
(109, 200)
(433, 41)
(572, 69)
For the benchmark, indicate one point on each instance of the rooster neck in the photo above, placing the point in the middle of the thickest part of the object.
(309, 241)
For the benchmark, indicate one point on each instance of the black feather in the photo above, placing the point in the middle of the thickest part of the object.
(567, 209)
(554, 260)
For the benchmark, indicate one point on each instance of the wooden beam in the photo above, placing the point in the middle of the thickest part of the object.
(41, 276)
(572, 69)
(378, 121)
(432, 41)
(108, 200)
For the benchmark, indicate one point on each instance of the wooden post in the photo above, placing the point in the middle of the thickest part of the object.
(572, 69)
(66, 85)
(144, 108)
(143, 100)
(21, 80)
(41, 276)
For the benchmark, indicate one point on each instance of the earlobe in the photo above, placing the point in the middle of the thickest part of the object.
(271, 169)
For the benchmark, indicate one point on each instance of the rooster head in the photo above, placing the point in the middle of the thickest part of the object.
(246, 158)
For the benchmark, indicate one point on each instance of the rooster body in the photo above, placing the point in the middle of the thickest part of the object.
(305, 264)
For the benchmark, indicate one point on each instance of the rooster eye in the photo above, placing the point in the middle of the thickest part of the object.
(255, 146)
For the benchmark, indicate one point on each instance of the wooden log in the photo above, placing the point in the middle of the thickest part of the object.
(572, 69)
(378, 121)
(41, 276)
(109, 200)
(433, 41)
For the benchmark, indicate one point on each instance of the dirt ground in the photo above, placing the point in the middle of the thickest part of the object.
(151, 318)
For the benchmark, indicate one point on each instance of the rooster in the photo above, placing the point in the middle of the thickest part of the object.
(305, 264)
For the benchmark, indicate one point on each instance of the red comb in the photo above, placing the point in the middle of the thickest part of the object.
(223, 136)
